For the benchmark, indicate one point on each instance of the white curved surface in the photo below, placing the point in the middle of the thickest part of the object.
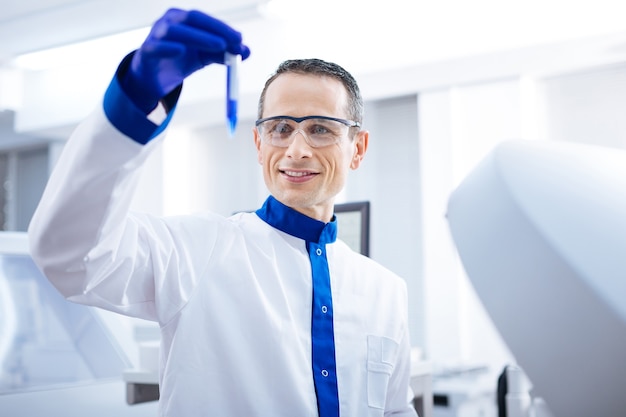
(541, 230)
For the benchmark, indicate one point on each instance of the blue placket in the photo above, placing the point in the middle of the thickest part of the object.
(316, 234)
(322, 334)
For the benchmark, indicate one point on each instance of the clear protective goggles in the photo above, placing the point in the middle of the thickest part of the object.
(318, 131)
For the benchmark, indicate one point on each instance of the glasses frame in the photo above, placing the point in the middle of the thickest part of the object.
(349, 123)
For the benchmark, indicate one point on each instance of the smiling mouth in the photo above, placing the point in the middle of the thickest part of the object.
(297, 177)
(297, 173)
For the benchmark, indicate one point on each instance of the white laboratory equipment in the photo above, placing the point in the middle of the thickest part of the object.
(56, 358)
(518, 401)
(540, 228)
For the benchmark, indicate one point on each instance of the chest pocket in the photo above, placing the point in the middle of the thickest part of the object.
(382, 353)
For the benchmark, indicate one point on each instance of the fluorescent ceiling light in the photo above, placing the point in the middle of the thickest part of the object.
(109, 48)
(114, 47)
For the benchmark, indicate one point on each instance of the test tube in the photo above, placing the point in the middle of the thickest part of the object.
(232, 89)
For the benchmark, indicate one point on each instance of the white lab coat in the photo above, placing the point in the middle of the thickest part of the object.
(232, 295)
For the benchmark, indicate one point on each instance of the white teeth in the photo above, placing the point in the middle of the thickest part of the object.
(296, 173)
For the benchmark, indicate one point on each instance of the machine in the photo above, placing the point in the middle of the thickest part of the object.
(540, 228)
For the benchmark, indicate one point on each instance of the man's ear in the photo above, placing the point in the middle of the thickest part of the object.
(257, 143)
(361, 141)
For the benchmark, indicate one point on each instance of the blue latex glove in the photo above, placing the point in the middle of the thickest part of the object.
(180, 43)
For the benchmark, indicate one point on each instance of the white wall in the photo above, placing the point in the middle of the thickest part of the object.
(458, 127)
(586, 106)
(389, 179)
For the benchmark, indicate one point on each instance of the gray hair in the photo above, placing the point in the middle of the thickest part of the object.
(320, 68)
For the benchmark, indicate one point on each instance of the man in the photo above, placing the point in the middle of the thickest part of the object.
(261, 314)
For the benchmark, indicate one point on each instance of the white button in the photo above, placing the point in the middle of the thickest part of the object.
(324, 309)
(324, 373)
(319, 252)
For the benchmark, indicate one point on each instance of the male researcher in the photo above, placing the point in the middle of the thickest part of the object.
(261, 314)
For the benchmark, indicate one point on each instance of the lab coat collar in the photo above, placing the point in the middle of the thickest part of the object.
(288, 220)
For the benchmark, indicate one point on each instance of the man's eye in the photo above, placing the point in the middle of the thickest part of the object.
(320, 130)
(282, 128)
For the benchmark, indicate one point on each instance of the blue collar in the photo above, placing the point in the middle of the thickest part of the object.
(288, 220)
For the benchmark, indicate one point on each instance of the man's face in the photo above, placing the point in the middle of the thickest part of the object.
(302, 177)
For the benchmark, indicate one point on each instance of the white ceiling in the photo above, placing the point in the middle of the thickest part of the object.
(32, 25)
(416, 31)
(447, 27)
(366, 36)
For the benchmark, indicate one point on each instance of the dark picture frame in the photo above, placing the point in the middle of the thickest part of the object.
(353, 225)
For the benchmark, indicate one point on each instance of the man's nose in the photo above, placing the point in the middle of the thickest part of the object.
(299, 146)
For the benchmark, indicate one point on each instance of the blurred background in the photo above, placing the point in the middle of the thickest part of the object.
(444, 82)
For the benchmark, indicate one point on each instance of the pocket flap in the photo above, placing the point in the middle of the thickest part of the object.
(381, 353)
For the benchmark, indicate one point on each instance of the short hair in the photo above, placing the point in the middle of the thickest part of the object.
(320, 68)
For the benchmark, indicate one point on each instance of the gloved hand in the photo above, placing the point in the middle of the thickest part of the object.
(180, 43)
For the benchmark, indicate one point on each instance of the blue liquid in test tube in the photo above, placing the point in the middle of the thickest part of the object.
(232, 89)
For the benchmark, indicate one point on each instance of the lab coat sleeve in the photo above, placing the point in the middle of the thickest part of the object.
(81, 235)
